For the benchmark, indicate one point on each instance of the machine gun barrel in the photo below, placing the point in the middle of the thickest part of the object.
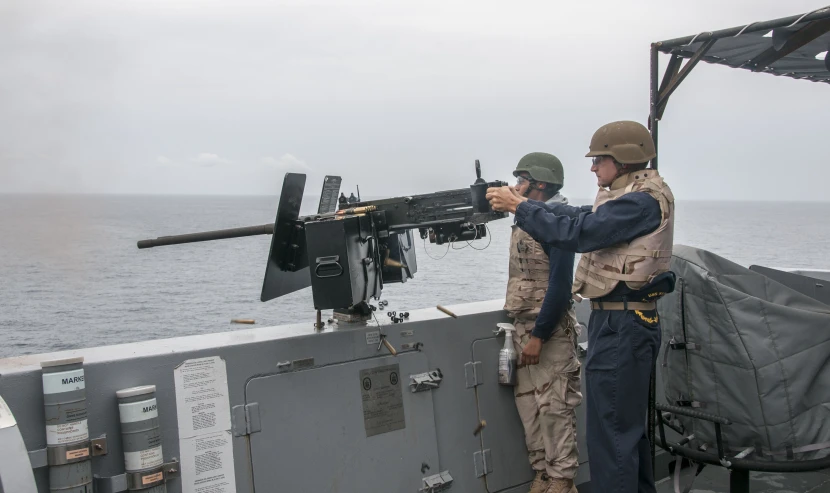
(221, 234)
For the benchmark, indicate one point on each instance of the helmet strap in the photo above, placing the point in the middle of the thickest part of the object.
(532, 185)
(621, 169)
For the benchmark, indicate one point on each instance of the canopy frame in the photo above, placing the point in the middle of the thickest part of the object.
(809, 32)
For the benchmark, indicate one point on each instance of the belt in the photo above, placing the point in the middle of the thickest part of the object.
(623, 305)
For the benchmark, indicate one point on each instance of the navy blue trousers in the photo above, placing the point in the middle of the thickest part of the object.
(622, 350)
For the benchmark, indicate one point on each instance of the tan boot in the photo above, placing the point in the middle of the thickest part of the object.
(540, 483)
(559, 485)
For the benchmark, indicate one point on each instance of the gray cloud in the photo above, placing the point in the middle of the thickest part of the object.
(217, 96)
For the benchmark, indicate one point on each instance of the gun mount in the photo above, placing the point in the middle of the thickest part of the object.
(348, 250)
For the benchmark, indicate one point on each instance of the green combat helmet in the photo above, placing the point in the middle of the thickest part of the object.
(542, 166)
(626, 141)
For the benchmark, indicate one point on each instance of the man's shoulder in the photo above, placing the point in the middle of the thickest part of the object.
(643, 198)
(655, 186)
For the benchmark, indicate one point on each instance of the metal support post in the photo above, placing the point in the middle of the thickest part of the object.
(655, 95)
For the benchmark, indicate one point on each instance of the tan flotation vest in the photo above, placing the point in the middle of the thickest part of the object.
(635, 263)
(529, 272)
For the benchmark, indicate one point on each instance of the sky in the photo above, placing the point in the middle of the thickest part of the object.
(225, 97)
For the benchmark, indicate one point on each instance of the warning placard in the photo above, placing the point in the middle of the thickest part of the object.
(202, 396)
(205, 438)
(382, 400)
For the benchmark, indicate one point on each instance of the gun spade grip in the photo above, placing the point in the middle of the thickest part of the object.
(479, 197)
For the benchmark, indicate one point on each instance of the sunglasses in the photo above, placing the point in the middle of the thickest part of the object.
(597, 159)
(521, 179)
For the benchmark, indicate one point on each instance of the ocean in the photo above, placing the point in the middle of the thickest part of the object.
(73, 277)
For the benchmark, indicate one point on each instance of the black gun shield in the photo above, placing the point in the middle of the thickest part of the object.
(328, 197)
(279, 281)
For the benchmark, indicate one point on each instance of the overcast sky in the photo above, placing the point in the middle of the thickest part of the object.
(206, 97)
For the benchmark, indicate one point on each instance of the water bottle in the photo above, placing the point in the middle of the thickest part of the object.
(507, 357)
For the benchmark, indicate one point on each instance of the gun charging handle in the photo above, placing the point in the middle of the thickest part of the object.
(479, 179)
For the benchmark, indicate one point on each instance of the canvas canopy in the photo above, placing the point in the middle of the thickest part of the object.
(756, 352)
(792, 47)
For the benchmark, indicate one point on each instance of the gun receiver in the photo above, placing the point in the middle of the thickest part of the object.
(346, 255)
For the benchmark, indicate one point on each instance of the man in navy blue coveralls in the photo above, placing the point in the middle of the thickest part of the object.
(626, 239)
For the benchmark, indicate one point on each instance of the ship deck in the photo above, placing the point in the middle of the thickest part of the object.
(716, 480)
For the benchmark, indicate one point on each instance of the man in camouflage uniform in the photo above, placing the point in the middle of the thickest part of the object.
(539, 299)
(626, 239)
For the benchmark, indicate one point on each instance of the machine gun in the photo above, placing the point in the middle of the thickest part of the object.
(348, 250)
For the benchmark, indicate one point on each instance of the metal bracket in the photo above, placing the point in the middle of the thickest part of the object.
(436, 483)
(68, 454)
(677, 78)
(425, 381)
(99, 446)
(483, 463)
(472, 373)
(137, 480)
(245, 419)
(690, 403)
(785, 42)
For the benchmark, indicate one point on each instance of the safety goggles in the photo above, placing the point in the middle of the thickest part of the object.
(597, 159)
(521, 179)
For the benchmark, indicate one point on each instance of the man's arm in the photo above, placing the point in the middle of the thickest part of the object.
(562, 209)
(558, 297)
(621, 220)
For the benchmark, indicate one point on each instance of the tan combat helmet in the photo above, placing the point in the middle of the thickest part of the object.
(626, 141)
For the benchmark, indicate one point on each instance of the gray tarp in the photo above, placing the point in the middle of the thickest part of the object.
(763, 360)
(737, 51)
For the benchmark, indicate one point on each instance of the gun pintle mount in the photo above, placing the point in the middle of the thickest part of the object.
(348, 250)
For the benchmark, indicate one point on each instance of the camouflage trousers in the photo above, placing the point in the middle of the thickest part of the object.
(547, 395)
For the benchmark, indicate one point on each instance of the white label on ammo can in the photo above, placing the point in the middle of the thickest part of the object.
(67, 433)
(135, 461)
(133, 412)
(65, 381)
